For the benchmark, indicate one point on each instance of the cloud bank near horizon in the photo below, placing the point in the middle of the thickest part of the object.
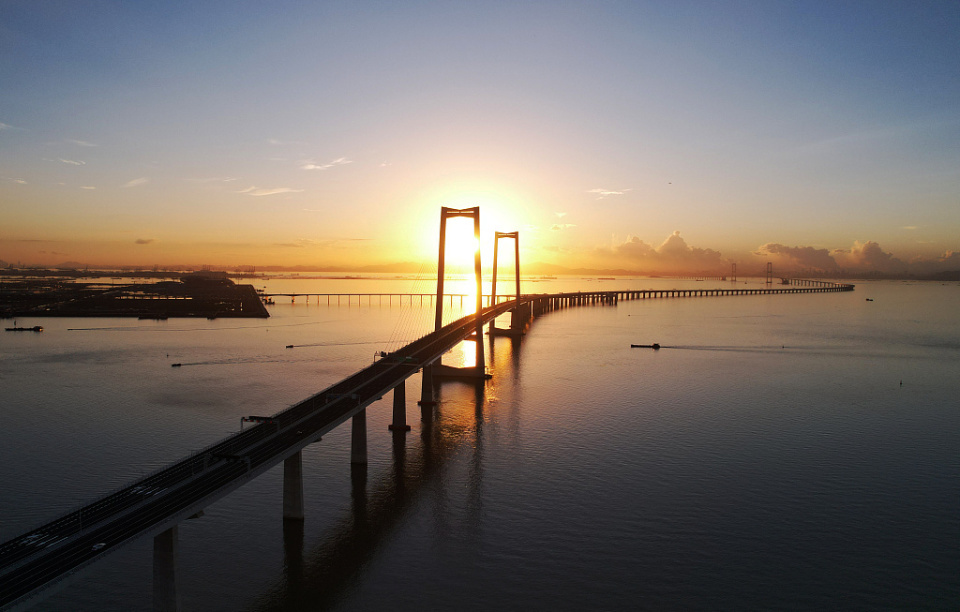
(861, 257)
(674, 255)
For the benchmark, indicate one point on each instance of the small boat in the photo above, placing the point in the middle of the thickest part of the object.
(175, 365)
(35, 328)
(869, 299)
(653, 346)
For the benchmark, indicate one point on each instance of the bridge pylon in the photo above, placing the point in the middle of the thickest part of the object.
(479, 371)
(517, 324)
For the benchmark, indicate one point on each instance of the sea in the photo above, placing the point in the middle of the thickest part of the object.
(778, 452)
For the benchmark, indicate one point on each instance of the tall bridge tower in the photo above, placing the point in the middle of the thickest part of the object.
(516, 255)
(474, 213)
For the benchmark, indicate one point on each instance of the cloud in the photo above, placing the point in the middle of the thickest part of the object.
(673, 255)
(602, 193)
(212, 179)
(951, 258)
(910, 227)
(311, 242)
(868, 256)
(143, 241)
(556, 227)
(87, 187)
(861, 257)
(72, 162)
(561, 215)
(19, 181)
(81, 143)
(311, 165)
(136, 182)
(7, 126)
(253, 191)
(804, 257)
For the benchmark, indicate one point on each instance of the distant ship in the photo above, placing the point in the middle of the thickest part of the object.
(35, 328)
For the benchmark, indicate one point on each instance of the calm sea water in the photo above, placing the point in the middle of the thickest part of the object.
(768, 457)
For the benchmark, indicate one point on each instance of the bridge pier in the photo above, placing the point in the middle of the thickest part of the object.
(426, 394)
(293, 487)
(400, 408)
(358, 438)
(166, 547)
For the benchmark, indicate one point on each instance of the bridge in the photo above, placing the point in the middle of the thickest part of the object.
(36, 562)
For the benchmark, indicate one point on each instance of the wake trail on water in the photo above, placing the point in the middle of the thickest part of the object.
(810, 351)
(192, 329)
(289, 346)
(263, 359)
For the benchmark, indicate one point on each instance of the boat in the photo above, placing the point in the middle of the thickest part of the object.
(35, 328)
(653, 346)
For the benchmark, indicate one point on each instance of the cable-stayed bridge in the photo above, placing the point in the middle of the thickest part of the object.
(35, 562)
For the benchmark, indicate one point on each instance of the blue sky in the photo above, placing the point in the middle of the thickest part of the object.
(314, 133)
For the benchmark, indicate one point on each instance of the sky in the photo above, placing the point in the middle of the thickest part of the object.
(642, 135)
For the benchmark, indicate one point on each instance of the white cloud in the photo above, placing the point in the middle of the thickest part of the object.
(311, 165)
(253, 191)
(213, 179)
(6, 126)
(72, 162)
(561, 215)
(19, 181)
(87, 187)
(136, 182)
(561, 226)
(910, 227)
(602, 193)
(81, 143)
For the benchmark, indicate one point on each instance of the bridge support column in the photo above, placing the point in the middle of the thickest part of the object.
(400, 407)
(165, 553)
(293, 487)
(427, 403)
(358, 438)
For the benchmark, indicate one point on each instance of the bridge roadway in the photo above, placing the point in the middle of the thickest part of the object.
(149, 506)
(41, 557)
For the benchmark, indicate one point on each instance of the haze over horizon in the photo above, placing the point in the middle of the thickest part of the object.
(631, 135)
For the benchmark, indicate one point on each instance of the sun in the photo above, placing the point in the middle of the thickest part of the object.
(461, 248)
